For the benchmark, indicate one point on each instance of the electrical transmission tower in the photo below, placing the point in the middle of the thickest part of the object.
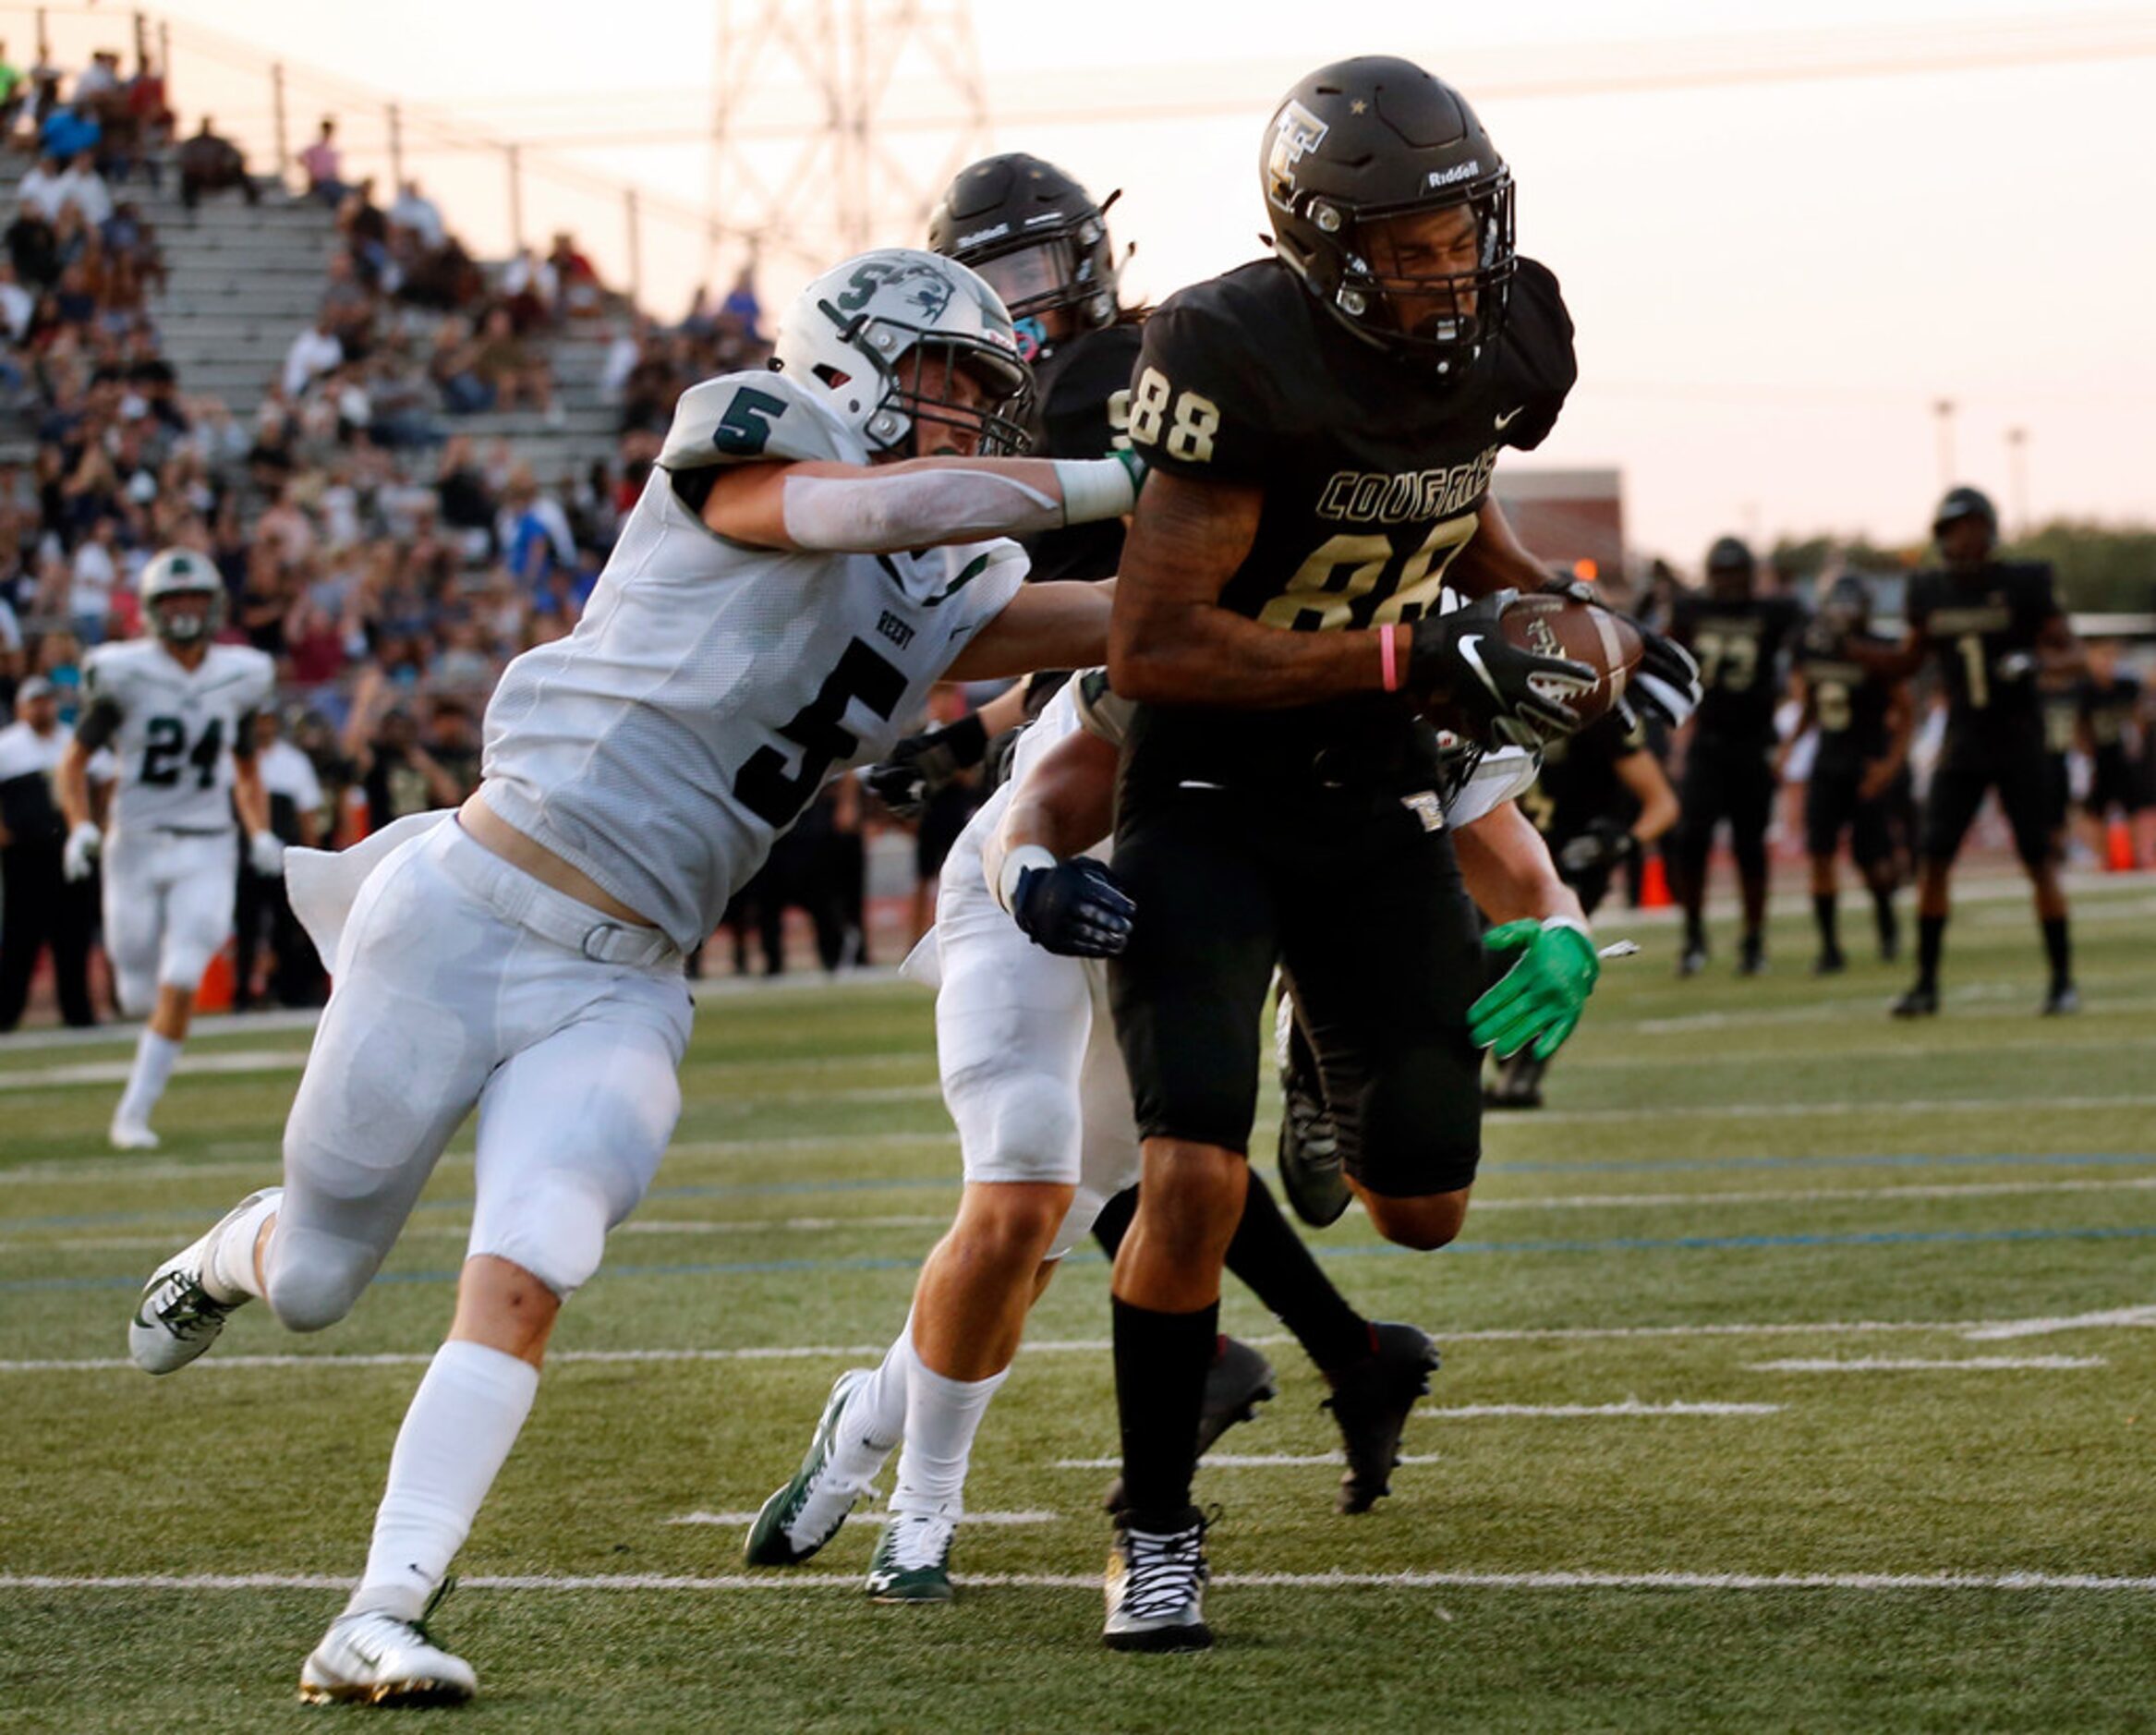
(839, 122)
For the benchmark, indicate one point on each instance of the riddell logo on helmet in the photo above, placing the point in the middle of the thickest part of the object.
(1459, 172)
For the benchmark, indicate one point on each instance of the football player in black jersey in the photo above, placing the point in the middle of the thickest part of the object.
(1742, 640)
(1865, 720)
(1037, 235)
(2111, 702)
(1322, 429)
(1994, 626)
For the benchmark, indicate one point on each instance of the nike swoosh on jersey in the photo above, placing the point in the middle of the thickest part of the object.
(1511, 416)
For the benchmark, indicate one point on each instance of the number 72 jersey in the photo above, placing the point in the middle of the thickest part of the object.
(174, 729)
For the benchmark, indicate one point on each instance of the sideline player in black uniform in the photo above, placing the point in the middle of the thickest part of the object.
(1741, 639)
(1994, 626)
(1600, 799)
(2111, 720)
(1865, 720)
(1038, 238)
(1322, 427)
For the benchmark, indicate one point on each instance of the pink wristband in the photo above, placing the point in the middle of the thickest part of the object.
(1388, 640)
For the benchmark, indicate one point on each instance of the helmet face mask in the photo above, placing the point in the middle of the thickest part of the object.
(1732, 570)
(1847, 604)
(867, 329)
(179, 573)
(1966, 506)
(1367, 164)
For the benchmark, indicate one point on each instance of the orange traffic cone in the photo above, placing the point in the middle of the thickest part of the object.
(1654, 885)
(215, 994)
(2118, 852)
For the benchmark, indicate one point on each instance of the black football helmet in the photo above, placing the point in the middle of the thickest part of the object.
(1966, 503)
(1363, 142)
(1846, 604)
(1731, 568)
(1034, 233)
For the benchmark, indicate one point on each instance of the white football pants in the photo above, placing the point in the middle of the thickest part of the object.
(449, 994)
(168, 909)
(1030, 1070)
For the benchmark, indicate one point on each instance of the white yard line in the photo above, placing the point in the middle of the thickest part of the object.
(2001, 1329)
(1916, 1365)
(1562, 1202)
(2122, 1318)
(733, 1521)
(1629, 1406)
(116, 1072)
(774, 1581)
(1800, 1110)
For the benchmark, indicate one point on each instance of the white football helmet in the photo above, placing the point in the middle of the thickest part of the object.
(862, 330)
(182, 572)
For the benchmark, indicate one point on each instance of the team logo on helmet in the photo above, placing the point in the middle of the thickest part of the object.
(1296, 133)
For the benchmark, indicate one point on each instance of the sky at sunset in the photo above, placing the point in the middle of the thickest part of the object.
(1773, 280)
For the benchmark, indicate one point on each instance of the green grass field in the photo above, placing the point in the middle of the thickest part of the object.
(1909, 1481)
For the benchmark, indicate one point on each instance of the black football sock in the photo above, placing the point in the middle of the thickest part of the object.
(1883, 916)
(1161, 1362)
(2059, 948)
(1931, 942)
(1271, 1258)
(1823, 911)
(1114, 1221)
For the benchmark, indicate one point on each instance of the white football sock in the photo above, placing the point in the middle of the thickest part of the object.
(153, 1058)
(876, 1414)
(942, 1416)
(229, 1272)
(463, 1421)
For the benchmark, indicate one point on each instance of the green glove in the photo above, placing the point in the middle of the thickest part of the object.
(1542, 995)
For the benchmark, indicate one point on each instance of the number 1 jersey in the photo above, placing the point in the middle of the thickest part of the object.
(173, 730)
(712, 687)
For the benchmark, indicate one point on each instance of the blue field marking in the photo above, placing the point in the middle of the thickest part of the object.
(1622, 1243)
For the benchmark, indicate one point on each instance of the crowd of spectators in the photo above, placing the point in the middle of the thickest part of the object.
(390, 559)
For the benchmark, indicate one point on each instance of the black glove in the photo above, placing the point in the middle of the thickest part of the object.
(1666, 683)
(1076, 908)
(1506, 697)
(1603, 844)
(923, 764)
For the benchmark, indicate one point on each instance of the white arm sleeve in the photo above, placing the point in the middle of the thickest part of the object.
(922, 508)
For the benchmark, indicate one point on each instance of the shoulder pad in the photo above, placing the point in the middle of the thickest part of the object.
(754, 417)
(1538, 353)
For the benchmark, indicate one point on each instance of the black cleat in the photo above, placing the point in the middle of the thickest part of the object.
(1371, 1402)
(1155, 1587)
(1240, 1380)
(1518, 1083)
(2063, 1001)
(1752, 959)
(1312, 1174)
(1829, 964)
(1919, 1003)
(1693, 959)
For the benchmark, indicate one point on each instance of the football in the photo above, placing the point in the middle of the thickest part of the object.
(1559, 626)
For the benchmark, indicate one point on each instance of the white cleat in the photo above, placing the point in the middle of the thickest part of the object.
(374, 1659)
(177, 1318)
(131, 1134)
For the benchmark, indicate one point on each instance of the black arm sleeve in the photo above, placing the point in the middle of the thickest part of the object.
(99, 723)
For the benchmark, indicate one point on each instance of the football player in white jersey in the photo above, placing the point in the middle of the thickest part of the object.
(178, 712)
(1027, 914)
(815, 548)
